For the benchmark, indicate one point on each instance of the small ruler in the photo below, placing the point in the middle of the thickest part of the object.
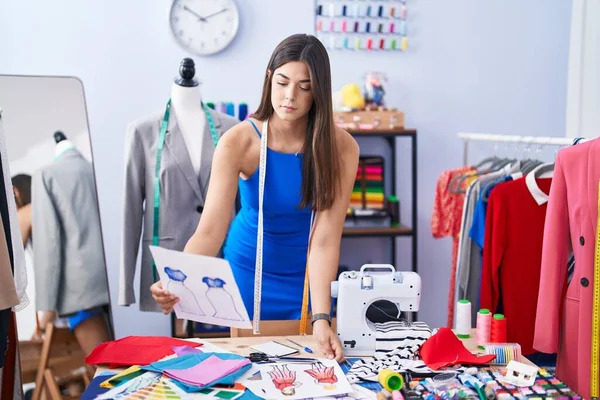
(595, 371)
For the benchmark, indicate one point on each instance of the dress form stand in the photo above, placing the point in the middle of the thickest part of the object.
(185, 103)
(62, 143)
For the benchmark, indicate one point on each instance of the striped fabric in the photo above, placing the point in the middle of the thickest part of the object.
(396, 347)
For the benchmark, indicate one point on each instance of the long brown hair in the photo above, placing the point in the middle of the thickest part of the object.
(321, 169)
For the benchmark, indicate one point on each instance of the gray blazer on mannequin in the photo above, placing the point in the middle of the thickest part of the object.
(69, 266)
(181, 198)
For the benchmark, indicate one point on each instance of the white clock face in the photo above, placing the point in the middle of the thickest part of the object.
(204, 27)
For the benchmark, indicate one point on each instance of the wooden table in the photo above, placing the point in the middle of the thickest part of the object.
(241, 345)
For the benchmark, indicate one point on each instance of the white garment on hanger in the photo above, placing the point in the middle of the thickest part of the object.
(20, 272)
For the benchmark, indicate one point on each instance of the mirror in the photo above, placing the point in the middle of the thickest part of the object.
(50, 160)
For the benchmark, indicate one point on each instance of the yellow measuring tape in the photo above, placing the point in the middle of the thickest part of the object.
(304, 312)
(596, 312)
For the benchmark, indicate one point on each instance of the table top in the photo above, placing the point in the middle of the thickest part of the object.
(241, 345)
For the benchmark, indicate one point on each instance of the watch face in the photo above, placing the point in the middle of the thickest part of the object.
(204, 26)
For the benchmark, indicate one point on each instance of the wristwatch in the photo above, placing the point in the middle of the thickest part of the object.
(317, 317)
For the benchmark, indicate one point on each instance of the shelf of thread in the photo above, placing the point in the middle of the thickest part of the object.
(371, 25)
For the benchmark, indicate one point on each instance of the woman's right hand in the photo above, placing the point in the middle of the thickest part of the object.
(164, 299)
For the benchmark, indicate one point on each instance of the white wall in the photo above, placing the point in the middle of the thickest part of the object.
(583, 96)
(471, 66)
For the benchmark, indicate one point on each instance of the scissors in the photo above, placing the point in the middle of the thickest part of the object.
(263, 358)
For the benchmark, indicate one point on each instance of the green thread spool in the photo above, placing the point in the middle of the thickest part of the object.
(393, 45)
(390, 380)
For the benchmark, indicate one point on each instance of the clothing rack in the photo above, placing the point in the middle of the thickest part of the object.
(497, 138)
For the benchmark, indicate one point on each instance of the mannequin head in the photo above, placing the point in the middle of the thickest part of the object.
(22, 189)
(297, 87)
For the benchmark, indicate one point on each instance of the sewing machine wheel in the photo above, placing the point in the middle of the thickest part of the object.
(383, 311)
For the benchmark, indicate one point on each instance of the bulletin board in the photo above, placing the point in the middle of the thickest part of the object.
(362, 25)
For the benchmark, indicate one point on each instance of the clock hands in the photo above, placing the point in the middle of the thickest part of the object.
(200, 18)
(213, 14)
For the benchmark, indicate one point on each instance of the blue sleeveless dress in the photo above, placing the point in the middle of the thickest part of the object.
(285, 238)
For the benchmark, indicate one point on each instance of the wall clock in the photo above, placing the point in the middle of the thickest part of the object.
(204, 27)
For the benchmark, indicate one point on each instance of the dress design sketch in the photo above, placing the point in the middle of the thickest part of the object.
(323, 375)
(187, 301)
(221, 300)
(284, 379)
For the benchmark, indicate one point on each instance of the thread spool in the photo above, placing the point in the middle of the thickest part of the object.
(396, 395)
(210, 104)
(230, 109)
(484, 327)
(222, 107)
(498, 330)
(242, 111)
(463, 319)
(344, 25)
(392, 27)
(390, 380)
(404, 43)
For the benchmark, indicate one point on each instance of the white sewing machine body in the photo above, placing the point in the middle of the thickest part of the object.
(357, 290)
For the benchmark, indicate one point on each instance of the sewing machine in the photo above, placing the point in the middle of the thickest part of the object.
(356, 291)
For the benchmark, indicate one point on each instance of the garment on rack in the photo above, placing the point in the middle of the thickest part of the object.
(564, 312)
(477, 230)
(69, 266)
(512, 254)
(445, 222)
(469, 254)
(181, 198)
(8, 212)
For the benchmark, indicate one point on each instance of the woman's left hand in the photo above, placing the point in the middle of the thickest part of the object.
(329, 343)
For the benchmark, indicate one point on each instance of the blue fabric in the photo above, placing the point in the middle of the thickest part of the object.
(94, 390)
(77, 318)
(477, 230)
(285, 238)
(191, 360)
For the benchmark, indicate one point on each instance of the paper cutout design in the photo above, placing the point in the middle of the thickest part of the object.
(187, 300)
(221, 300)
(323, 375)
(284, 379)
(295, 381)
(210, 294)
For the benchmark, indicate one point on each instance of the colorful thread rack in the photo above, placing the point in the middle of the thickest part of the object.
(362, 24)
(368, 189)
(229, 108)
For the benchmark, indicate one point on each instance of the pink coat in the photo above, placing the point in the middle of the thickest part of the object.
(564, 313)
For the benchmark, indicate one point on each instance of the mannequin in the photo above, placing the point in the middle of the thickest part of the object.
(185, 103)
(185, 169)
(62, 143)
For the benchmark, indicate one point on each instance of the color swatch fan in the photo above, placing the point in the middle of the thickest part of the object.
(158, 391)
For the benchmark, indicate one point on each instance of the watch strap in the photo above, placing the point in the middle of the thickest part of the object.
(317, 317)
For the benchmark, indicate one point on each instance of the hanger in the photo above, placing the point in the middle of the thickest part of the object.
(542, 171)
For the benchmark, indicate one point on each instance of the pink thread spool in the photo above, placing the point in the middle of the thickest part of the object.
(396, 395)
(484, 327)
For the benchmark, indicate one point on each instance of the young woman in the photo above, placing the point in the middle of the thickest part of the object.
(311, 167)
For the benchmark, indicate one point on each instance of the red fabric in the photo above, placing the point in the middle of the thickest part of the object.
(512, 257)
(444, 349)
(446, 221)
(135, 350)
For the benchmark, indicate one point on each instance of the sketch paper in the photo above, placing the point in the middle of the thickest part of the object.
(295, 381)
(205, 286)
(274, 349)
